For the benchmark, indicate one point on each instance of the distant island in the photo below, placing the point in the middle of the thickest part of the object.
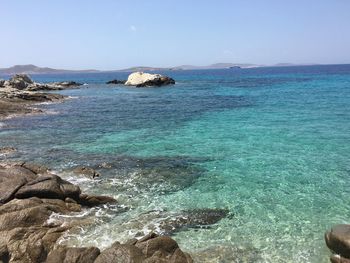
(32, 69)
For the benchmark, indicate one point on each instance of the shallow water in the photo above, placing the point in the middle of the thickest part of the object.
(271, 145)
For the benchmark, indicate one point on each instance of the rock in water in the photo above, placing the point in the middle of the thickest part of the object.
(86, 171)
(116, 81)
(338, 240)
(7, 150)
(140, 79)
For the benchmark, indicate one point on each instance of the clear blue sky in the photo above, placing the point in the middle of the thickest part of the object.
(112, 34)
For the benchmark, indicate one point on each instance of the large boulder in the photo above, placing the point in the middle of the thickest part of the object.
(141, 79)
(11, 180)
(338, 240)
(149, 249)
(25, 235)
(121, 253)
(49, 186)
(2, 83)
(73, 255)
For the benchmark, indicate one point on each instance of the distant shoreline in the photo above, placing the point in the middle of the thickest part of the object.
(33, 70)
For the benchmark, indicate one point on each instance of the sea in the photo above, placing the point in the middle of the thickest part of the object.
(269, 146)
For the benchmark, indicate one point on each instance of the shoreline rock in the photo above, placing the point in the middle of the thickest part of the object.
(24, 82)
(338, 240)
(17, 95)
(30, 193)
(141, 79)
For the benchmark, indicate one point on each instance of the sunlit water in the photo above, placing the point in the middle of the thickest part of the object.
(270, 145)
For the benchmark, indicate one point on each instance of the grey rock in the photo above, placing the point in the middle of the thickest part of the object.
(20, 81)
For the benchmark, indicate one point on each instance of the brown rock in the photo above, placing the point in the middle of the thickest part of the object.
(95, 200)
(73, 255)
(11, 180)
(49, 186)
(339, 259)
(86, 171)
(36, 168)
(119, 253)
(25, 235)
(338, 240)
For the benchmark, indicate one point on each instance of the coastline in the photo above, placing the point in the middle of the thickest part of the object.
(33, 193)
(319, 231)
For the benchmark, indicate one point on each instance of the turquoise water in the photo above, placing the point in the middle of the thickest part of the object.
(272, 145)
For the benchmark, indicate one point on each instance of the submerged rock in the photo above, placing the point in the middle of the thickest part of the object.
(140, 79)
(159, 174)
(7, 150)
(116, 81)
(168, 223)
(86, 171)
(228, 254)
(95, 200)
(198, 218)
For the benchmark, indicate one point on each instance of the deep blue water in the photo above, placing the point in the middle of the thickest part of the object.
(272, 145)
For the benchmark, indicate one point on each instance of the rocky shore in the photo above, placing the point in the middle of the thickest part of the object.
(20, 93)
(31, 193)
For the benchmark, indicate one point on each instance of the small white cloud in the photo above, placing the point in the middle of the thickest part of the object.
(228, 52)
(133, 28)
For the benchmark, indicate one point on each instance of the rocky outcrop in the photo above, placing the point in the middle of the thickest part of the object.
(16, 96)
(140, 79)
(30, 193)
(20, 81)
(116, 81)
(151, 248)
(73, 254)
(25, 235)
(24, 82)
(338, 240)
(23, 180)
